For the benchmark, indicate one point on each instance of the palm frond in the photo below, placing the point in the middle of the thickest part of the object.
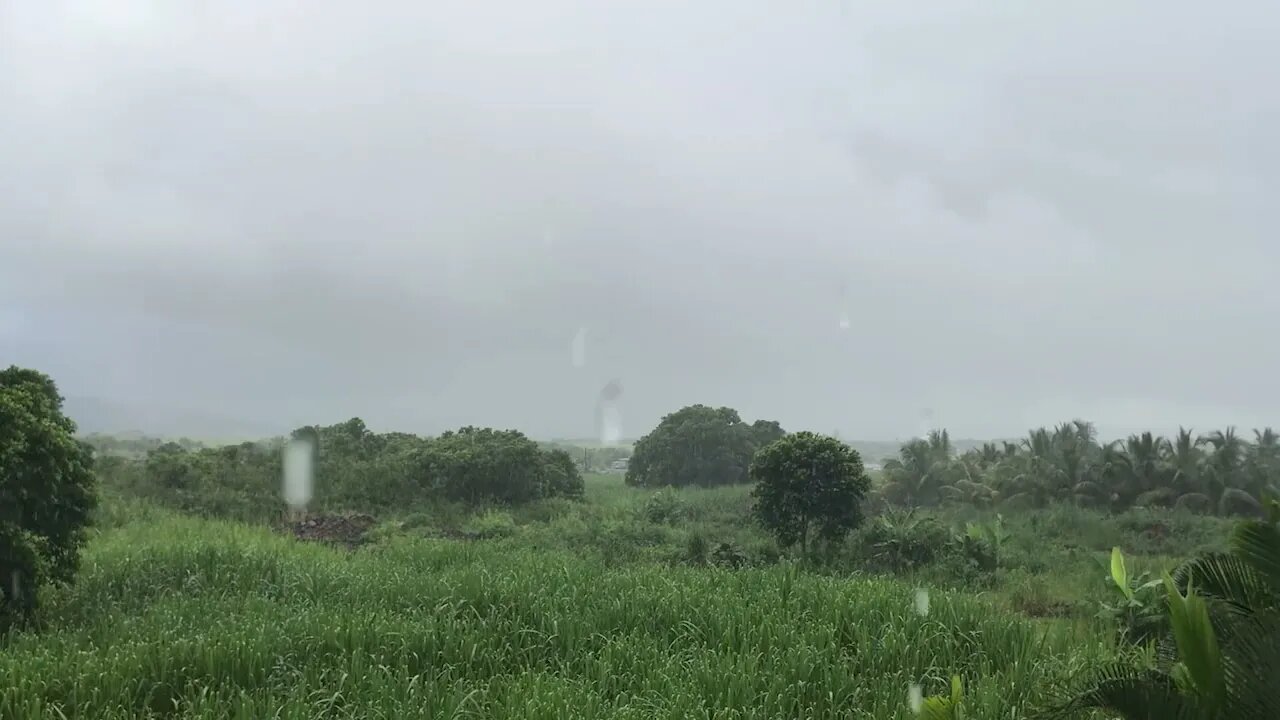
(1228, 579)
(1258, 544)
(1131, 693)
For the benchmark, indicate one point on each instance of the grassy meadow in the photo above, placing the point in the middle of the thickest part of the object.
(618, 606)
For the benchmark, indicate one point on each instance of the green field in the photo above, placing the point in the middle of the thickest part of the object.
(189, 618)
(567, 610)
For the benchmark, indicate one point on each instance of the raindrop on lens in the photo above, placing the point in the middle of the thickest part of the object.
(298, 473)
(922, 602)
(915, 698)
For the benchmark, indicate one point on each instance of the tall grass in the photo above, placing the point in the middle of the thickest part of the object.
(177, 617)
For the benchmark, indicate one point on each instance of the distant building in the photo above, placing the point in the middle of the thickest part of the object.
(618, 466)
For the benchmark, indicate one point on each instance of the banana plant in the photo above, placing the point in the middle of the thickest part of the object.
(1139, 611)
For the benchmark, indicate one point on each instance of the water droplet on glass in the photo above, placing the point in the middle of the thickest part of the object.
(611, 427)
(298, 473)
(922, 602)
(844, 320)
(915, 697)
(15, 584)
(609, 413)
(578, 348)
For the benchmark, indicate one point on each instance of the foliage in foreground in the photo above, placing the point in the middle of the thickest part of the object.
(1220, 658)
(46, 491)
(197, 619)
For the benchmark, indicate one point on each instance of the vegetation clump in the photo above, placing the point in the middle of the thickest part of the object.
(47, 491)
(699, 445)
(808, 485)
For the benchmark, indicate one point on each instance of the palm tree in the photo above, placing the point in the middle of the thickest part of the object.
(1224, 464)
(1144, 454)
(1185, 460)
(1262, 460)
(1221, 656)
(922, 468)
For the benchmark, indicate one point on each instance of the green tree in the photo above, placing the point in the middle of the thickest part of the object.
(562, 478)
(697, 445)
(808, 484)
(46, 489)
(476, 465)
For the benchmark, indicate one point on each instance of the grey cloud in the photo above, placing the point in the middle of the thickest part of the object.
(406, 211)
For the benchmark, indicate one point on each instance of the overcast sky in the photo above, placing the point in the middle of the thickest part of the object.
(287, 212)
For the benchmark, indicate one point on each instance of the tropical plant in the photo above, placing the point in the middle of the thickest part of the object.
(1220, 657)
(945, 707)
(1217, 472)
(1139, 612)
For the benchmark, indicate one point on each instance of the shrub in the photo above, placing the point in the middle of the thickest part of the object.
(900, 540)
(491, 524)
(663, 507)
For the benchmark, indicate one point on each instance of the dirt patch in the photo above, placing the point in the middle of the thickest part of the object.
(341, 530)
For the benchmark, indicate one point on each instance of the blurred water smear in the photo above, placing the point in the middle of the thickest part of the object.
(299, 473)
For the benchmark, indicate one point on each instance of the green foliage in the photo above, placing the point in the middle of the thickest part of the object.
(491, 524)
(1139, 612)
(47, 490)
(698, 445)
(355, 469)
(663, 507)
(897, 540)
(562, 478)
(945, 707)
(1221, 655)
(184, 618)
(808, 484)
(478, 465)
(1217, 472)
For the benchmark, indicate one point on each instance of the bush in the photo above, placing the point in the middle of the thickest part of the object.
(900, 540)
(491, 524)
(663, 507)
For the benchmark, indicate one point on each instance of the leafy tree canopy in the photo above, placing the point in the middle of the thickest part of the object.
(46, 488)
(808, 485)
(699, 445)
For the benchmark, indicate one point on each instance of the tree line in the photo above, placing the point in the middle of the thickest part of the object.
(354, 468)
(1219, 472)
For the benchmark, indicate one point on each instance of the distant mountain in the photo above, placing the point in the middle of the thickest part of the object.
(99, 415)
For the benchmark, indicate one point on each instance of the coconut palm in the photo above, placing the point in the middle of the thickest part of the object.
(1262, 461)
(1225, 463)
(922, 468)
